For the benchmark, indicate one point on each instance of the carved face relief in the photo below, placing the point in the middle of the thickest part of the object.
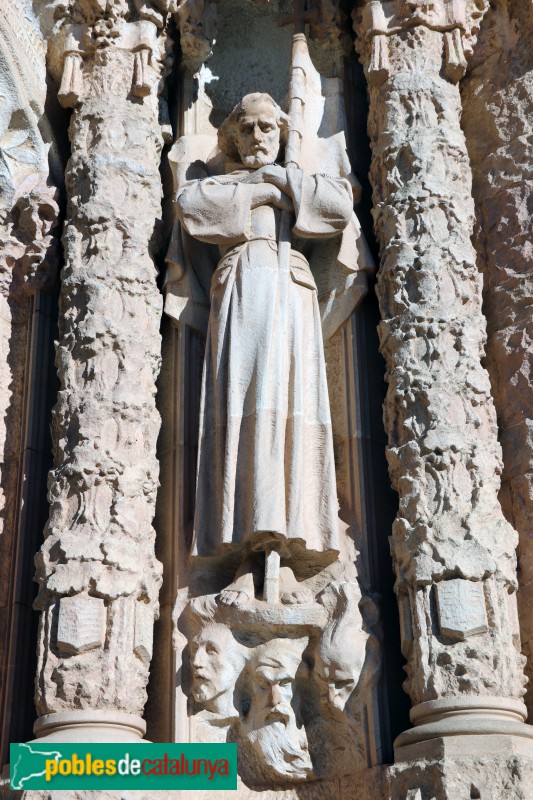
(337, 680)
(215, 665)
(271, 726)
(341, 653)
(258, 135)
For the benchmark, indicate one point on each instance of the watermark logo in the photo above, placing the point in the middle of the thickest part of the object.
(143, 766)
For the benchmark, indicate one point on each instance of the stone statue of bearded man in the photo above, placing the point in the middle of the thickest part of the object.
(266, 474)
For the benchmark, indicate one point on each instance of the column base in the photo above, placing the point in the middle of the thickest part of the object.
(468, 765)
(466, 716)
(89, 726)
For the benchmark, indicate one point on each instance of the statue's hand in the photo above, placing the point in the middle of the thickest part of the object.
(267, 194)
(275, 175)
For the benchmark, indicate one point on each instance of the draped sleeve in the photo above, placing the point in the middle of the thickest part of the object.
(216, 212)
(323, 206)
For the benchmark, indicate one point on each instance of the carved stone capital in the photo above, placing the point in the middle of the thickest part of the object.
(125, 39)
(377, 22)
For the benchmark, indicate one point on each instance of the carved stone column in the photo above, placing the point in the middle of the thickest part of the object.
(98, 575)
(498, 130)
(453, 550)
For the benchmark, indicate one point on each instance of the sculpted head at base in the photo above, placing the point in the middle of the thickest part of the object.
(216, 661)
(254, 131)
(342, 649)
(271, 727)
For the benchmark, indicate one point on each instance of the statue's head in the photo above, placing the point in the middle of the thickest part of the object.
(216, 660)
(342, 648)
(271, 727)
(254, 131)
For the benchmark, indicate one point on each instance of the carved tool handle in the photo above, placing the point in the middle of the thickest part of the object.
(294, 138)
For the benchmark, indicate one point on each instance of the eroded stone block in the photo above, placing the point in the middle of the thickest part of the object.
(81, 624)
(461, 607)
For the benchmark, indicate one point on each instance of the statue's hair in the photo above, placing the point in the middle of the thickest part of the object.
(228, 130)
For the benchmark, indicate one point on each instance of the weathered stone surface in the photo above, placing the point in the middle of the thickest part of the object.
(491, 767)
(497, 96)
(99, 539)
(28, 264)
(444, 457)
(283, 651)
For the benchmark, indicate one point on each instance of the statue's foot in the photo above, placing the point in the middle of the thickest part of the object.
(231, 597)
(291, 592)
(238, 593)
(297, 597)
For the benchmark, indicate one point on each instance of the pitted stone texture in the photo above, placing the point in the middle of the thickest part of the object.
(99, 538)
(484, 767)
(497, 103)
(444, 457)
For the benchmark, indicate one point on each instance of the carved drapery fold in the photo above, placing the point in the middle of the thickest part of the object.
(98, 575)
(453, 551)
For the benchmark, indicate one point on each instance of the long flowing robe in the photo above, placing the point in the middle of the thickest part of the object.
(265, 461)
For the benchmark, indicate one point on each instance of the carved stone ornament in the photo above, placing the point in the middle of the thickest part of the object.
(279, 657)
(98, 575)
(88, 29)
(452, 548)
(286, 681)
(458, 20)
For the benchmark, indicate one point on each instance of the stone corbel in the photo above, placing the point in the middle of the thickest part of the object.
(141, 84)
(37, 220)
(65, 61)
(196, 20)
(378, 68)
(141, 39)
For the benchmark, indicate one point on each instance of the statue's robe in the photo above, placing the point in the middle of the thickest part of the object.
(265, 459)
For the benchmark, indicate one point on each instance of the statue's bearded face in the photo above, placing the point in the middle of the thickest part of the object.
(258, 135)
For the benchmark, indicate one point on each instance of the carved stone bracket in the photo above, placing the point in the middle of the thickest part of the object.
(75, 45)
(289, 683)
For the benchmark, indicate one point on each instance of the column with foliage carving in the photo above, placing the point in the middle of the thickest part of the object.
(98, 575)
(453, 550)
